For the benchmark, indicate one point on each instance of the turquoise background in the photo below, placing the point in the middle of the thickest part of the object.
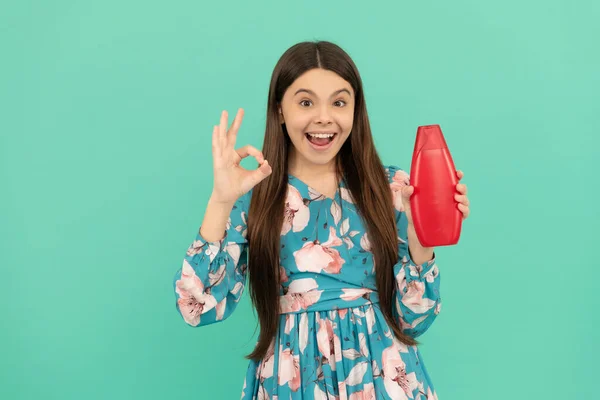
(106, 117)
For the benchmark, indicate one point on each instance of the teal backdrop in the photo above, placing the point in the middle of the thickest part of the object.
(107, 110)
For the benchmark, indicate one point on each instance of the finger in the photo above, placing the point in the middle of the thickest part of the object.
(216, 144)
(464, 209)
(461, 198)
(407, 191)
(460, 174)
(462, 188)
(251, 151)
(235, 126)
(261, 173)
(223, 128)
(265, 168)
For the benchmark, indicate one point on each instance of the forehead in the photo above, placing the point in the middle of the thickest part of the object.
(320, 81)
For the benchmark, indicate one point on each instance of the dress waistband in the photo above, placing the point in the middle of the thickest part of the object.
(325, 300)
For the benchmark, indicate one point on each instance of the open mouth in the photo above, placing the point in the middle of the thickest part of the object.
(320, 139)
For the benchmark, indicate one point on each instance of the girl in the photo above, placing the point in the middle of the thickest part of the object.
(340, 283)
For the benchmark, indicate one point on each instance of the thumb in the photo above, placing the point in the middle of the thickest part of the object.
(407, 191)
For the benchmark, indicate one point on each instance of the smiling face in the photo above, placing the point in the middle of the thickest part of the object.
(318, 112)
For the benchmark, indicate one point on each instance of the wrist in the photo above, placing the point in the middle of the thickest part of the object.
(418, 253)
(215, 201)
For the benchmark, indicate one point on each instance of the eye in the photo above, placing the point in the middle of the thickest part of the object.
(337, 103)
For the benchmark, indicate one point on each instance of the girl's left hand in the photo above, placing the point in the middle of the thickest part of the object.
(460, 197)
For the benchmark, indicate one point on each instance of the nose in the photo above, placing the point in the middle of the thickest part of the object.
(323, 117)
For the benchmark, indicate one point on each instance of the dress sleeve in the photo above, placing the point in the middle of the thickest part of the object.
(210, 283)
(418, 300)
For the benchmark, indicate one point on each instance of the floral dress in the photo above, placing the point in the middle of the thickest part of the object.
(333, 341)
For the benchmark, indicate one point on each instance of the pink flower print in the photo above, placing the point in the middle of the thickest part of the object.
(329, 343)
(415, 289)
(401, 280)
(365, 243)
(368, 393)
(357, 374)
(300, 294)
(290, 321)
(192, 301)
(266, 370)
(333, 240)
(432, 274)
(317, 257)
(220, 308)
(414, 300)
(198, 246)
(312, 257)
(343, 313)
(354, 293)
(399, 180)
(296, 213)
(398, 384)
(289, 369)
(282, 275)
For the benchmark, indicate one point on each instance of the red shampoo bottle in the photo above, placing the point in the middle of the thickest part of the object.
(436, 217)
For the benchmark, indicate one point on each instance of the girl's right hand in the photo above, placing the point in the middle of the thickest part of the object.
(231, 181)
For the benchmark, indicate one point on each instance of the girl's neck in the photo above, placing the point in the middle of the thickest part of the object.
(304, 169)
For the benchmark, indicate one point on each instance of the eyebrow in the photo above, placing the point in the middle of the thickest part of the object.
(313, 93)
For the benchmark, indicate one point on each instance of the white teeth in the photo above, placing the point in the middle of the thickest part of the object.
(321, 135)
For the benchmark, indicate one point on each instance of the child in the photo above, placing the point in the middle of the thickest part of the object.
(323, 230)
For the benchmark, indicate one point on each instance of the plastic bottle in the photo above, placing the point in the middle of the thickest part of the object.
(435, 214)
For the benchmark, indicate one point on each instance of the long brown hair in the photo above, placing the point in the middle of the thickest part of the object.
(358, 164)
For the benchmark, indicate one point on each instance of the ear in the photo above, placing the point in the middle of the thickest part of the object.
(280, 114)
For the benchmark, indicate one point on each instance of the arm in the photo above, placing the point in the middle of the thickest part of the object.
(417, 253)
(418, 300)
(211, 280)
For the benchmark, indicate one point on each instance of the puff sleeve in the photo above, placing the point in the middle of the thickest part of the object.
(211, 280)
(418, 300)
